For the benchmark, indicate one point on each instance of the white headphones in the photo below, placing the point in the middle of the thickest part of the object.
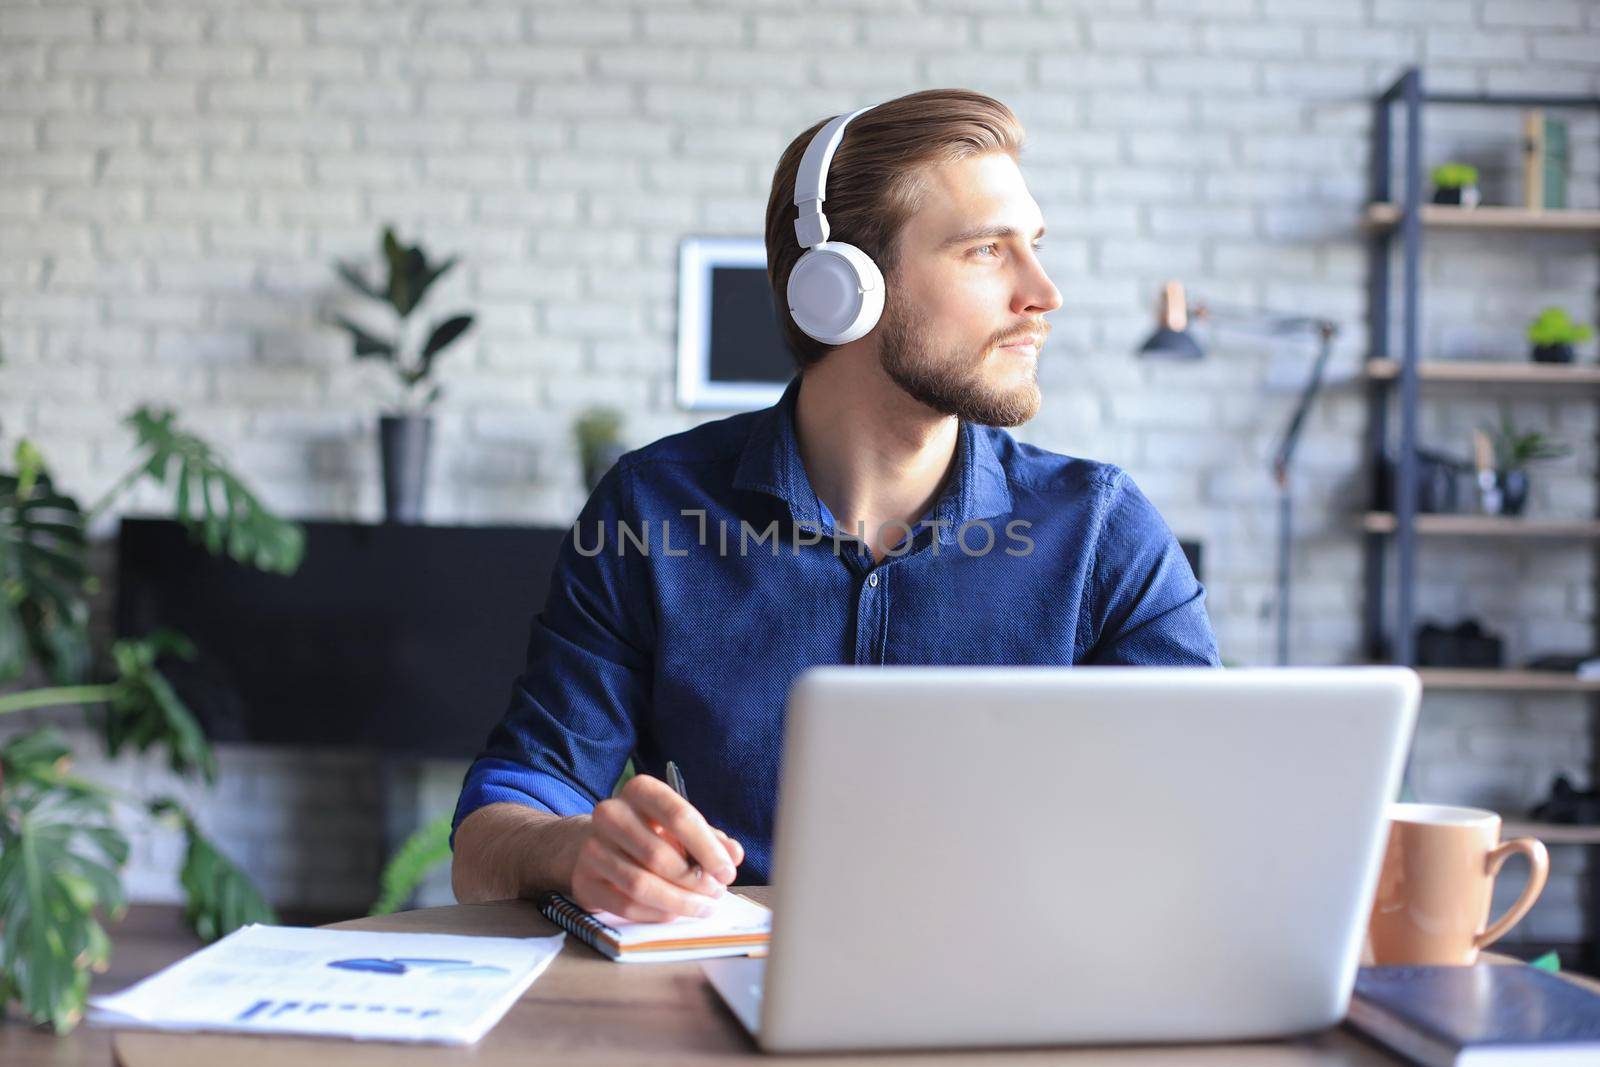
(835, 290)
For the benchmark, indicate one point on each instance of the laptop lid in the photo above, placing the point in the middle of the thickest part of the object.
(1009, 856)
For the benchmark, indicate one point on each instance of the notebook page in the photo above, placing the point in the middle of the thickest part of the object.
(734, 914)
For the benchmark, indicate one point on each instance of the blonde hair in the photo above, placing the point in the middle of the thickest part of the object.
(874, 183)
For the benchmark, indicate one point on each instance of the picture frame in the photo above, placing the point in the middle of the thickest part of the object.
(731, 352)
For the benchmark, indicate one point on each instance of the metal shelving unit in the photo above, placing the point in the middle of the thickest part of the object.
(1399, 216)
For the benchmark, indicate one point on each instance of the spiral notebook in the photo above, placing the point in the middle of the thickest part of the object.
(738, 927)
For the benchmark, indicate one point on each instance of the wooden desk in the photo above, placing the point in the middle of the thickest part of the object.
(587, 1010)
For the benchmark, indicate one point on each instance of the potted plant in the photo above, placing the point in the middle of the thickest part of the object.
(600, 445)
(62, 843)
(1456, 183)
(1553, 333)
(1514, 452)
(406, 429)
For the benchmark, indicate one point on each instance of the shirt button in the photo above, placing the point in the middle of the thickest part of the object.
(872, 580)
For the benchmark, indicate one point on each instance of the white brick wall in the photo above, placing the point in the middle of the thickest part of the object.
(175, 182)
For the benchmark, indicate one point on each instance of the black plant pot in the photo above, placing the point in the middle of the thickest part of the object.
(1561, 353)
(405, 441)
(1461, 196)
(600, 460)
(1438, 483)
(1513, 491)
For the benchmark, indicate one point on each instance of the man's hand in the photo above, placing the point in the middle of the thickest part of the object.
(650, 856)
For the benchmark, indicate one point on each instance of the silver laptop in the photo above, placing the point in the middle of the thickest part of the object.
(992, 856)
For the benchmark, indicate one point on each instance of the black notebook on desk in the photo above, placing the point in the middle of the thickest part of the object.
(1481, 1016)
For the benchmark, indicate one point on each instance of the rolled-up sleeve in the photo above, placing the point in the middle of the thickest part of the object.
(1147, 607)
(574, 711)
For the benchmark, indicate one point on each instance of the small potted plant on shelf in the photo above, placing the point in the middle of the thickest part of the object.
(1514, 452)
(1456, 183)
(598, 431)
(406, 429)
(1553, 333)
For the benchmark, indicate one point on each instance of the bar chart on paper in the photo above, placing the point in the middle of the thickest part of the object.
(337, 983)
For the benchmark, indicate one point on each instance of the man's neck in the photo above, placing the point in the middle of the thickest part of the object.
(873, 454)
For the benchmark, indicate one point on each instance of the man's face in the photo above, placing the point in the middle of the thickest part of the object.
(966, 302)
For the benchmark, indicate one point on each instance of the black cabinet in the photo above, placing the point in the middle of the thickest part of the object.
(403, 639)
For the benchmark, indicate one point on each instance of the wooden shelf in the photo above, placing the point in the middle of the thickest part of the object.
(1476, 372)
(1385, 216)
(1551, 833)
(1477, 679)
(1383, 522)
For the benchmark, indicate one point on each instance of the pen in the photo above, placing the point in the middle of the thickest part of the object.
(675, 780)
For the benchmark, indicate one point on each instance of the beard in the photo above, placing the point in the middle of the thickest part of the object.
(951, 382)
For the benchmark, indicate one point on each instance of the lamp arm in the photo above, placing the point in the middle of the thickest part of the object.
(1291, 435)
(1266, 319)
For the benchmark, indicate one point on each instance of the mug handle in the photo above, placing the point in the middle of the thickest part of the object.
(1538, 872)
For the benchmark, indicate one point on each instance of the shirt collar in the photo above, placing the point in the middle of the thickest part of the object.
(770, 463)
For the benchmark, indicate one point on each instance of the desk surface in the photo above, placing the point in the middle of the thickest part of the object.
(588, 1010)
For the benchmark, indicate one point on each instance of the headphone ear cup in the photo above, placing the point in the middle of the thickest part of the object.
(835, 293)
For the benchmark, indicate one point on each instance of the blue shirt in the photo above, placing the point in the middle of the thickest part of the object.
(704, 574)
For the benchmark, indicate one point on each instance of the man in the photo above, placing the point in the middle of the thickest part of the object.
(875, 515)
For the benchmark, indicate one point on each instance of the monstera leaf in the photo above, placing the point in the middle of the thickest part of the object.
(44, 574)
(220, 897)
(60, 862)
(210, 500)
(144, 711)
(418, 855)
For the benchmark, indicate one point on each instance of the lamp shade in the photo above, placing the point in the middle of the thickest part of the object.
(1172, 339)
(1171, 344)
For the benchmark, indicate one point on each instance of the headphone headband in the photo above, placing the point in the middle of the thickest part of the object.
(811, 180)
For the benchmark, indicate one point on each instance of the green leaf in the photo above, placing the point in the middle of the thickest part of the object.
(36, 756)
(407, 279)
(147, 712)
(30, 464)
(1454, 175)
(352, 274)
(628, 772)
(228, 518)
(597, 427)
(60, 862)
(367, 345)
(13, 642)
(220, 897)
(426, 276)
(1515, 450)
(443, 335)
(1553, 326)
(391, 245)
(417, 856)
(44, 575)
(407, 269)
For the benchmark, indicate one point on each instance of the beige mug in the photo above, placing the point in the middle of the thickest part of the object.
(1437, 881)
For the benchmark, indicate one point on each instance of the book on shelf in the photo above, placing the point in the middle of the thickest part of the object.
(1544, 161)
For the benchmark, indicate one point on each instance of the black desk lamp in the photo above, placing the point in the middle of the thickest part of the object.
(1172, 339)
